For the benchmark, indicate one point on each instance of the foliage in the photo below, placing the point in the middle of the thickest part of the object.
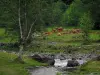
(54, 12)
(58, 10)
(27, 16)
(73, 13)
(86, 23)
(93, 6)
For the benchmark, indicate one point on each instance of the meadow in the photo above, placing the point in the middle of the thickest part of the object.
(53, 41)
(66, 41)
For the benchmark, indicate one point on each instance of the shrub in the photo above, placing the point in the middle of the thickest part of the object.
(86, 23)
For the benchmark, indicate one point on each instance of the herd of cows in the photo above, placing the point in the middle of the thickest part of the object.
(61, 31)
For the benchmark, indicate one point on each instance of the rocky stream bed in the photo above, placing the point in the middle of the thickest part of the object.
(59, 63)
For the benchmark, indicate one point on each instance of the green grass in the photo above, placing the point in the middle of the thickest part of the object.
(72, 37)
(90, 68)
(66, 27)
(94, 37)
(68, 38)
(65, 40)
(9, 67)
(2, 31)
(5, 38)
(58, 73)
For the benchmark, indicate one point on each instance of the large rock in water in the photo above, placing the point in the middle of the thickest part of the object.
(38, 57)
(51, 62)
(72, 63)
(43, 58)
(97, 58)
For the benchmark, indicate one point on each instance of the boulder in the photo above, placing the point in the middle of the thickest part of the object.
(51, 62)
(72, 63)
(97, 58)
(37, 57)
(43, 58)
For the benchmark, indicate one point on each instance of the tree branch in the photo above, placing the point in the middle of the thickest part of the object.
(19, 15)
(30, 30)
(25, 17)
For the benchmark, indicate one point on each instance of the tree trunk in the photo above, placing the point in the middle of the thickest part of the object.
(19, 58)
(21, 47)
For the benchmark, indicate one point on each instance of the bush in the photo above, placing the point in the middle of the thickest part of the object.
(86, 24)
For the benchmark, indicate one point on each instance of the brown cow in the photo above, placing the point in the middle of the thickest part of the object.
(60, 29)
(48, 33)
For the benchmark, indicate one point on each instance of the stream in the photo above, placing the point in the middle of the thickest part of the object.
(59, 65)
(44, 71)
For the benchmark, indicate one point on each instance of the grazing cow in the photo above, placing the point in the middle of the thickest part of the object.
(54, 30)
(75, 31)
(78, 30)
(48, 33)
(59, 34)
(60, 29)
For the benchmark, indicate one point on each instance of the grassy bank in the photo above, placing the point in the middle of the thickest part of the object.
(9, 67)
(90, 68)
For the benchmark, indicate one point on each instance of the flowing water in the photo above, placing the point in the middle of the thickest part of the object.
(51, 70)
(44, 71)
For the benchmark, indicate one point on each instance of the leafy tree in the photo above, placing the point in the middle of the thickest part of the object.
(93, 7)
(55, 10)
(25, 16)
(86, 23)
(73, 13)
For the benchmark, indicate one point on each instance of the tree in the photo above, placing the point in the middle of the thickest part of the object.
(93, 7)
(86, 23)
(26, 16)
(55, 10)
(58, 9)
(73, 13)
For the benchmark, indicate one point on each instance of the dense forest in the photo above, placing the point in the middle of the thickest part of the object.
(54, 12)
